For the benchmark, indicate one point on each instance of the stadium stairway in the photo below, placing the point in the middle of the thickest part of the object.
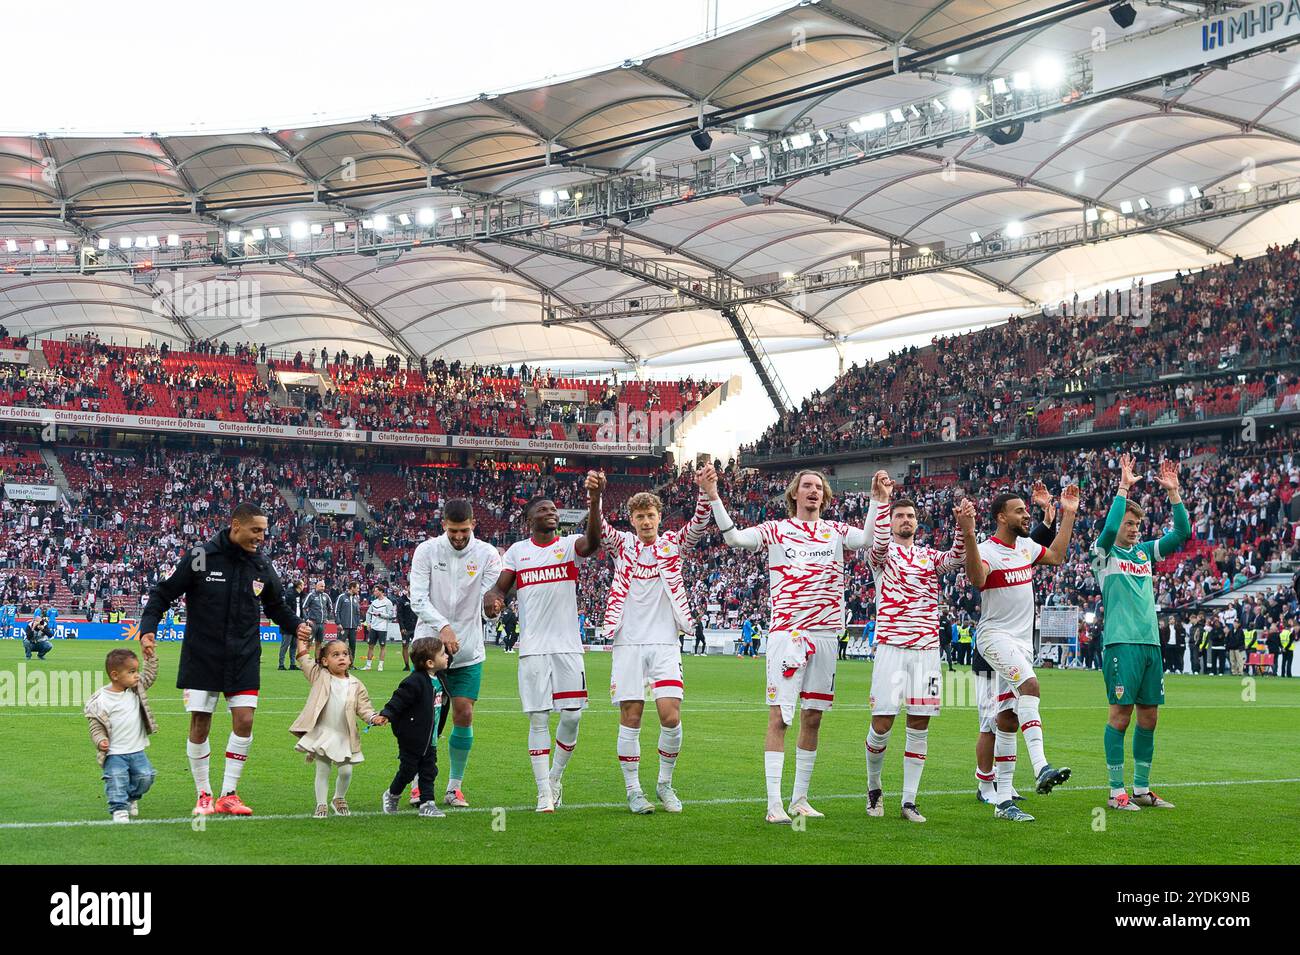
(56, 471)
(1260, 584)
(1262, 406)
(363, 513)
(291, 499)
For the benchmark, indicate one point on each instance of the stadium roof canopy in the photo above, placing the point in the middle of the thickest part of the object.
(808, 68)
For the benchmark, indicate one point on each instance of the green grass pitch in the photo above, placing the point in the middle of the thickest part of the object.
(1229, 762)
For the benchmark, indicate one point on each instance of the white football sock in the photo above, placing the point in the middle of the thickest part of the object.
(1004, 763)
(236, 755)
(539, 750)
(199, 754)
(987, 785)
(1032, 727)
(566, 738)
(914, 763)
(876, 744)
(803, 770)
(774, 766)
(629, 757)
(670, 745)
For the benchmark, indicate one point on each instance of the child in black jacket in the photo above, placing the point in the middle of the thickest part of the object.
(417, 713)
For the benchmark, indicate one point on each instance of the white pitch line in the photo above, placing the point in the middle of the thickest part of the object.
(729, 801)
(8, 711)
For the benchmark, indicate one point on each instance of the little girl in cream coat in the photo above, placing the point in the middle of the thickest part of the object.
(327, 726)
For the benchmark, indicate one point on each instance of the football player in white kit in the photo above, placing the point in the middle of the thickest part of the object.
(646, 607)
(552, 677)
(449, 575)
(1002, 568)
(805, 557)
(906, 670)
(990, 699)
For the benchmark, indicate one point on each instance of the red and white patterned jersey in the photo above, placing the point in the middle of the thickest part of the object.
(805, 562)
(546, 587)
(907, 586)
(647, 601)
(1007, 597)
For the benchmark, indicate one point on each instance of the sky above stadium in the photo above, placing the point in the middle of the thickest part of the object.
(86, 67)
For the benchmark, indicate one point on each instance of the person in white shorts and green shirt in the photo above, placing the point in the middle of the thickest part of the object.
(450, 574)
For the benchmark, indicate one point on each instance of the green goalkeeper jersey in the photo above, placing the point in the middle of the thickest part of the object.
(1124, 575)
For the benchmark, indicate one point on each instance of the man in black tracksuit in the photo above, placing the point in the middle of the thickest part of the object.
(1218, 647)
(226, 584)
(299, 596)
(406, 622)
(510, 623)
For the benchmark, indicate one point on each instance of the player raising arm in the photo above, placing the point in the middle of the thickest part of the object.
(1131, 658)
(805, 557)
(1002, 569)
(646, 606)
(906, 670)
(988, 700)
(551, 674)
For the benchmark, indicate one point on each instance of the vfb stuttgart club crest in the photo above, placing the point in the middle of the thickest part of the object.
(471, 568)
(1119, 691)
(771, 693)
(257, 588)
(558, 553)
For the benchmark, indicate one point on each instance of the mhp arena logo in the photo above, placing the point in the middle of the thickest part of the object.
(1248, 24)
(1211, 35)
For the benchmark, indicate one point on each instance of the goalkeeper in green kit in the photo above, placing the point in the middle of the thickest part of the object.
(1131, 657)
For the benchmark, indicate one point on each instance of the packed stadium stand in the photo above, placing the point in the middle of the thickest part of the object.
(1217, 343)
(124, 512)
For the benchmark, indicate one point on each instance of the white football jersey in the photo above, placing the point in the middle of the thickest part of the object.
(1007, 597)
(546, 584)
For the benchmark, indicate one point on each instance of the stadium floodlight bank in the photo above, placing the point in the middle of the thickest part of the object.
(993, 107)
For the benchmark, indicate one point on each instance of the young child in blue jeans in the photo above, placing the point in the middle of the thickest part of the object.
(120, 724)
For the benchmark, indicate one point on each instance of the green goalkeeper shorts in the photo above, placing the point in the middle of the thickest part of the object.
(1135, 673)
(464, 681)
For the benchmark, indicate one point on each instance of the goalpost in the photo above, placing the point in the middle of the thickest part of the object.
(1058, 633)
